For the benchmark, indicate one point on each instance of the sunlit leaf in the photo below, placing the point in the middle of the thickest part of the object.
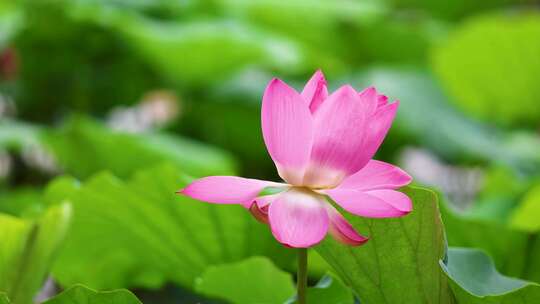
(255, 280)
(318, 267)
(10, 19)
(27, 251)
(79, 294)
(399, 264)
(150, 234)
(14, 233)
(490, 65)
(527, 215)
(329, 289)
(475, 280)
(83, 295)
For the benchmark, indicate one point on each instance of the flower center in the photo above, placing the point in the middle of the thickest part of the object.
(318, 177)
(303, 191)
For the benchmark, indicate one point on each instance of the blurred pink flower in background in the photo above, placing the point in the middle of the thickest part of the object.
(322, 146)
(8, 64)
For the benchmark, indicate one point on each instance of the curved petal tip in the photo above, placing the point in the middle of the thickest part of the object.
(342, 231)
(260, 214)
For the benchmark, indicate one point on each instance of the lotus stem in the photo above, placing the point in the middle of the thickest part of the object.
(302, 275)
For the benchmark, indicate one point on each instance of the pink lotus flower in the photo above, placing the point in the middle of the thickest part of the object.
(322, 146)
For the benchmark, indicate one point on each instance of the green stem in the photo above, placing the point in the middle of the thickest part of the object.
(301, 277)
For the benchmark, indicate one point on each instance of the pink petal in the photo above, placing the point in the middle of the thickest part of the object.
(287, 130)
(315, 91)
(259, 208)
(263, 201)
(226, 189)
(378, 126)
(259, 213)
(373, 203)
(337, 148)
(377, 175)
(369, 97)
(298, 218)
(382, 100)
(342, 230)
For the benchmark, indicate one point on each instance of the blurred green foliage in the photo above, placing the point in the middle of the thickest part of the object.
(80, 65)
(330, 289)
(474, 280)
(82, 138)
(23, 202)
(427, 119)
(466, 74)
(144, 212)
(80, 294)
(526, 215)
(28, 249)
(455, 9)
(491, 66)
(15, 135)
(248, 281)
